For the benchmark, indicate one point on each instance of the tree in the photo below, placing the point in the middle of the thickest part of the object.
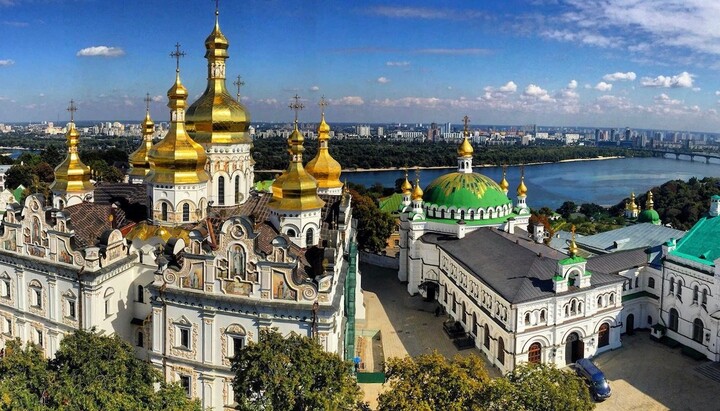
(17, 175)
(374, 225)
(89, 372)
(432, 382)
(540, 387)
(292, 373)
(567, 208)
(52, 155)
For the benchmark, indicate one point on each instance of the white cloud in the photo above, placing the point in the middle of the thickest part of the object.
(537, 92)
(603, 86)
(397, 63)
(348, 101)
(101, 51)
(383, 80)
(584, 37)
(268, 101)
(664, 99)
(314, 88)
(425, 102)
(6, 62)
(157, 99)
(572, 85)
(452, 51)
(618, 76)
(128, 103)
(509, 87)
(424, 13)
(682, 80)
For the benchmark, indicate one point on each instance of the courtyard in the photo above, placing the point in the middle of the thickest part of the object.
(643, 374)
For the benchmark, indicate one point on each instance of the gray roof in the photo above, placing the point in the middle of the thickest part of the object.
(518, 269)
(613, 263)
(561, 239)
(631, 237)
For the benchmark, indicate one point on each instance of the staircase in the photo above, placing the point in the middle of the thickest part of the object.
(710, 370)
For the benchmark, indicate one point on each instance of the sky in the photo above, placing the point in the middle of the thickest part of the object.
(596, 63)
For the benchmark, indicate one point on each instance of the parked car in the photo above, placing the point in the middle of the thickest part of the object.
(599, 387)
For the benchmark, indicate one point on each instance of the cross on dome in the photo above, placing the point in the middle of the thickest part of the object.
(466, 121)
(238, 83)
(147, 100)
(72, 108)
(177, 54)
(323, 103)
(296, 106)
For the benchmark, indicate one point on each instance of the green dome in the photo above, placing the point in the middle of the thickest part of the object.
(465, 191)
(649, 216)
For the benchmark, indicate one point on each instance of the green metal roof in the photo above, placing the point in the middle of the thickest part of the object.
(465, 190)
(473, 223)
(572, 260)
(649, 216)
(17, 193)
(700, 243)
(392, 203)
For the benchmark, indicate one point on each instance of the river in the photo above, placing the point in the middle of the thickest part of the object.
(604, 182)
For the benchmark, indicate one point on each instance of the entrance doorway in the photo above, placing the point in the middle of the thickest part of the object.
(574, 348)
(630, 324)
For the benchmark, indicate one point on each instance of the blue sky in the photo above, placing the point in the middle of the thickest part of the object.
(608, 63)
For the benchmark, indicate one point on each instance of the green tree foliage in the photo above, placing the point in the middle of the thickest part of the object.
(567, 208)
(374, 225)
(52, 155)
(432, 382)
(89, 372)
(17, 175)
(292, 373)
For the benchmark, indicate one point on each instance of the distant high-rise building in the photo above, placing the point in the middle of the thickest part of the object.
(628, 134)
(380, 131)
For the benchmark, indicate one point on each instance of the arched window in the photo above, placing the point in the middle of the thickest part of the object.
(651, 282)
(464, 313)
(542, 315)
(501, 350)
(237, 189)
(37, 294)
(527, 318)
(534, 353)
(672, 285)
(309, 237)
(599, 301)
(4, 285)
(698, 329)
(452, 214)
(486, 337)
(696, 294)
(164, 211)
(140, 294)
(673, 320)
(573, 308)
(221, 190)
(604, 335)
(186, 212)
(679, 289)
(580, 307)
(474, 326)
(704, 298)
(291, 233)
(612, 298)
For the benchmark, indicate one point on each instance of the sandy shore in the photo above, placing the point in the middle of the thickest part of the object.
(363, 170)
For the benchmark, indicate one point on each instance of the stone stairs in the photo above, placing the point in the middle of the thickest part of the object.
(710, 370)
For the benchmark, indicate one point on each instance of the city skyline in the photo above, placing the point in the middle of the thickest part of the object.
(649, 64)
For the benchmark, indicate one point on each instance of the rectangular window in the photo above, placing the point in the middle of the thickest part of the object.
(5, 289)
(185, 338)
(8, 326)
(185, 383)
(71, 309)
(38, 298)
(238, 343)
(39, 337)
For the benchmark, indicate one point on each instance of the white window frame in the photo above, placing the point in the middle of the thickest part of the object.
(109, 302)
(8, 327)
(183, 325)
(5, 286)
(188, 389)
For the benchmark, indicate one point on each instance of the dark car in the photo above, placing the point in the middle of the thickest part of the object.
(599, 387)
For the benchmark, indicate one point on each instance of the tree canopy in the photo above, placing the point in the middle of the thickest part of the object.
(89, 372)
(374, 225)
(292, 373)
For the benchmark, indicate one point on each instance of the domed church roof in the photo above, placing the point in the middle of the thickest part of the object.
(465, 190)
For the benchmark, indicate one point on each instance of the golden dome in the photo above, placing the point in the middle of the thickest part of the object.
(649, 203)
(298, 188)
(177, 159)
(522, 189)
(417, 193)
(72, 175)
(139, 162)
(406, 186)
(324, 167)
(631, 205)
(216, 117)
(504, 183)
(465, 149)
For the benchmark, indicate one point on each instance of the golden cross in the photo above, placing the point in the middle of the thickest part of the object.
(72, 109)
(466, 121)
(176, 55)
(147, 101)
(217, 7)
(296, 106)
(504, 169)
(572, 230)
(323, 103)
(239, 83)
(522, 171)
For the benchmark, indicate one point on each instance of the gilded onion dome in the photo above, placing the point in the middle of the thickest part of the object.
(323, 167)
(417, 193)
(139, 161)
(216, 117)
(406, 187)
(504, 183)
(465, 149)
(631, 205)
(177, 159)
(649, 215)
(298, 188)
(72, 175)
(522, 188)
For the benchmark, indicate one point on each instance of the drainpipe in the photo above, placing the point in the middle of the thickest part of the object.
(81, 292)
(164, 319)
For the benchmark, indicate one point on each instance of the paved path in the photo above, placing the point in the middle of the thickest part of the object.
(645, 375)
(407, 324)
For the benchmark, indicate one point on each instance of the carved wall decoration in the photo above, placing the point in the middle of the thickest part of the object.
(176, 351)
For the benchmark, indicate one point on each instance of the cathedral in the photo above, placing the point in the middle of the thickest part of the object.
(186, 260)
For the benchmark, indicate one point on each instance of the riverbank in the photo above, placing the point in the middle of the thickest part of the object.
(366, 170)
